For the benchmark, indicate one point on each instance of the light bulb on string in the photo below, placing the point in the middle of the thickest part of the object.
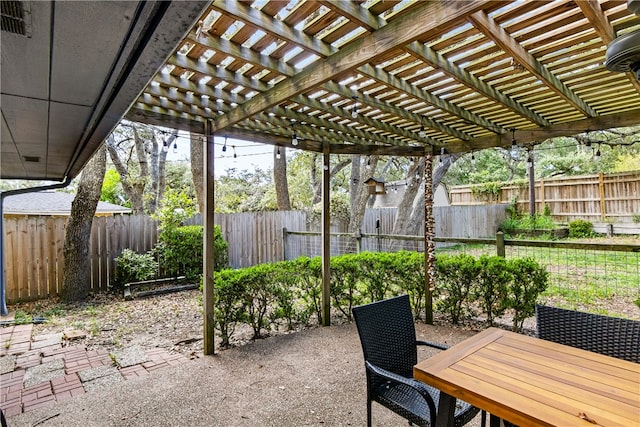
(224, 146)
(597, 155)
(514, 144)
(422, 132)
(165, 145)
(354, 112)
(235, 156)
(175, 147)
(473, 158)
(442, 153)
(278, 155)
(294, 139)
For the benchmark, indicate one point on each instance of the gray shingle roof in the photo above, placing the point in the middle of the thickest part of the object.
(52, 203)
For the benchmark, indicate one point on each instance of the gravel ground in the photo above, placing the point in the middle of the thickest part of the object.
(314, 377)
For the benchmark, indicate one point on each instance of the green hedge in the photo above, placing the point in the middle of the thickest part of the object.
(179, 251)
(288, 293)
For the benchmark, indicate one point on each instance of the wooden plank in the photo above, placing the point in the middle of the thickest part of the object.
(10, 247)
(42, 240)
(21, 260)
(496, 371)
(52, 266)
(554, 405)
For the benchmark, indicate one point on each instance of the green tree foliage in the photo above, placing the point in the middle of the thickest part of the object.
(112, 188)
(618, 149)
(176, 208)
(243, 191)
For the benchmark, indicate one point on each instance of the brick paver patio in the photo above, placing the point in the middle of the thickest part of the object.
(38, 370)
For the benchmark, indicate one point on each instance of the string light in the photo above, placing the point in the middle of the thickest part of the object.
(224, 147)
(235, 156)
(473, 158)
(165, 145)
(597, 156)
(530, 159)
(278, 156)
(354, 112)
(175, 147)
(442, 153)
(294, 138)
(423, 132)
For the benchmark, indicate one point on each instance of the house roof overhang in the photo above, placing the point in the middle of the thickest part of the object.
(71, 70)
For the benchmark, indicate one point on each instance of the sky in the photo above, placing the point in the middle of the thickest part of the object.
(249, 155)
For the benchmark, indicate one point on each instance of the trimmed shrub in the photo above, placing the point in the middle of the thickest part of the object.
(180, 251)
(456, 277)
(580, 228)
(529, 280)
(491, 286)
(133, 267)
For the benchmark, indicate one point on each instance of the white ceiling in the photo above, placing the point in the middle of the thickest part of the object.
(65, 87)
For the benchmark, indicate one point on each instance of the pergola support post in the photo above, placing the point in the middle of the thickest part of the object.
(208, 295)
(429, 234)
(326, 238)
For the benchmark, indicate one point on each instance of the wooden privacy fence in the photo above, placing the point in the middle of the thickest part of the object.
(34, 257)
(593, 198)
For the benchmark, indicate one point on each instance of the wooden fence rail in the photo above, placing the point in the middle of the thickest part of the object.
(600, 197)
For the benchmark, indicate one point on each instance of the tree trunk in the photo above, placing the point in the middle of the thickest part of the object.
(412, 225)
(197, 173)
(162, 163)
(133, 188)
(77, 264)
(359, 191)
(152, 188)
(280, 178)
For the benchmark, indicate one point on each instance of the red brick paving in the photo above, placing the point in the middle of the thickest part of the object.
(16, 340)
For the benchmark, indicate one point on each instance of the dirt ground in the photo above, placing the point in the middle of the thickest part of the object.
(174, 321)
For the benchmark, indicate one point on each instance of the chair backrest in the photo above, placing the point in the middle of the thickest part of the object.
(606, 335)
(388, 334)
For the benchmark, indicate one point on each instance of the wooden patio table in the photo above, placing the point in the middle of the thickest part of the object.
(529, 381)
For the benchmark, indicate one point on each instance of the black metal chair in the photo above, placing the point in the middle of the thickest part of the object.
(388, 338)
(606, 335)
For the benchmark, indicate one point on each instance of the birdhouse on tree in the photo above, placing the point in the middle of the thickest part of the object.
(376, 186)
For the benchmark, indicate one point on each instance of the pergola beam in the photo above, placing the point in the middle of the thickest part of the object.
(431, 56)
(495, 32)
(403, 30)
(594, 13)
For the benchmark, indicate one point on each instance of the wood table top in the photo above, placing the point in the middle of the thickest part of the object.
(529, 381)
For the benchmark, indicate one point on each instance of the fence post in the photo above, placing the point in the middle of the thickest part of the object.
(500, 244)
(285, 240)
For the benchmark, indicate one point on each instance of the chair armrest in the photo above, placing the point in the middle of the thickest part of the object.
(432, 344)
(409, 382)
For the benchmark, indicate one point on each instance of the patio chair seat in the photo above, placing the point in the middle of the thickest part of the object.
(611, 336)
(409, 403)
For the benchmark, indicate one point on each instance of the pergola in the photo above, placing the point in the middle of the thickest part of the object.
(373, 77)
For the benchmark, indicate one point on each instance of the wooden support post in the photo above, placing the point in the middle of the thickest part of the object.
(285, 242)
(429, 234)
(603, 205)
(500, 244)
(208, 295)
(326, 238)
(532, 186)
